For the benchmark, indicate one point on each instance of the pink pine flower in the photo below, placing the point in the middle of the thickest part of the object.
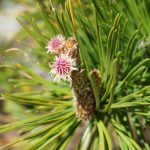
(62, 67)
(56, 44)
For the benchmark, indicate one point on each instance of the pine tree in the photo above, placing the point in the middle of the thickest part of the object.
(98, 52)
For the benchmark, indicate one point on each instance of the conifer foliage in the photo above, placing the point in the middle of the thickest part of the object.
(97, 54)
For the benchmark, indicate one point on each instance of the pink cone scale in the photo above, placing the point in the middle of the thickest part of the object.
(56, 44)
(62, 67)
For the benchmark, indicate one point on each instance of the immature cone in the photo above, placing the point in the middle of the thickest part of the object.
(83, 92)
(62, 67)
(84, 97)
(67, 66)
(97, 77)
(55, 45)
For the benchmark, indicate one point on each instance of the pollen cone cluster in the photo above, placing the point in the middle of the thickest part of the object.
(84, 98)
(67, 66)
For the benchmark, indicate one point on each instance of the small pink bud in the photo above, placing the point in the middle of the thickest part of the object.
(56, 44)
(62, 67)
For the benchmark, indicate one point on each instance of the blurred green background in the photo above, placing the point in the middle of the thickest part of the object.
(11, 36)
(13, 50)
